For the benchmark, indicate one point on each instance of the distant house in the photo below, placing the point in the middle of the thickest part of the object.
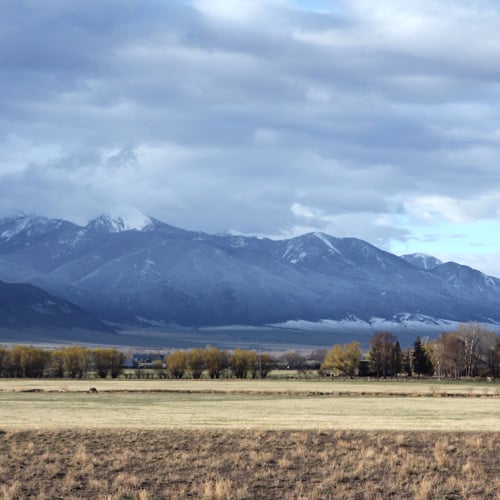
(145, 359)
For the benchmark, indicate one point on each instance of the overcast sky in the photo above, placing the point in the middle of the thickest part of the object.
(377, 119)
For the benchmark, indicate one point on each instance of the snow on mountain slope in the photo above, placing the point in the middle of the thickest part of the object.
(311, 248)
(464, 276)
(28, 227)
(422, 261)
(123, 270)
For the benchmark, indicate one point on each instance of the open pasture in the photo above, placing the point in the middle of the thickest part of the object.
(248, 404)
(240, 411)
(223, 439)
(355, 387)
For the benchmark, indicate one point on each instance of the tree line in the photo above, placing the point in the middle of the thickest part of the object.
(470, 351)
(216, 363)
(71, 362)
(78, 362)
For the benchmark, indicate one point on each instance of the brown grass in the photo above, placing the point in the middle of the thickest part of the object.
(201, 411)
(356, 387)
(248, 464)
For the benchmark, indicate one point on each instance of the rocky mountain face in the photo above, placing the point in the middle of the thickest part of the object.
(150, 272)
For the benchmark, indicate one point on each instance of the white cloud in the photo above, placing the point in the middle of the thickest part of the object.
(241, 11)
(370, 119)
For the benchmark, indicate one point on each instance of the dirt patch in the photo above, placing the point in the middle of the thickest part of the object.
(248, 464)
(239, 392)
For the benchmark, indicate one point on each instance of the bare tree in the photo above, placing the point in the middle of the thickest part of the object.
(448, 355)
(217, 361)
(196, 362)
(176, 364)
(384, 355)
(242, 361)
(489, 352)
(471, 350)
(470, 334)
(3, 358)
(343, 359)
(76, 360)
(265, 363)
(108, 361)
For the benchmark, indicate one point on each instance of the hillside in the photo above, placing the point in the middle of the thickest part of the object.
(156, 274)
(24, 306)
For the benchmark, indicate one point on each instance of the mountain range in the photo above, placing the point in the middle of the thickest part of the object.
(151, 273)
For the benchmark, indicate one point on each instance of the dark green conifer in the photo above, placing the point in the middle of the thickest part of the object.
(422, 364)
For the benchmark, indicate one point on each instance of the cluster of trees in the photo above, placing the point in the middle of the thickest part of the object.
(217, 363)
(72, 362)
(384, 359)
(78, 362)
(469, 351)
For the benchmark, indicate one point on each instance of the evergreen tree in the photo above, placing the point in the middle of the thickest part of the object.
(422, 364)
(407, 362)
(397, 363)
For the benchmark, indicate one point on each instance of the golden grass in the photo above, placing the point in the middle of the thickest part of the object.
(241, 464)
(322, 386)
(146, 410)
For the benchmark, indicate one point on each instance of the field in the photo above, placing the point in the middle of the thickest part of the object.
(248, 439)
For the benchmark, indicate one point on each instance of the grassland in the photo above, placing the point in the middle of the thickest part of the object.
(315, 386)
(249, 439)
(245, 411)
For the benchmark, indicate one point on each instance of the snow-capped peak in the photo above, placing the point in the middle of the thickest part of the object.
(27, 224)
(115, 224)
(107, 224)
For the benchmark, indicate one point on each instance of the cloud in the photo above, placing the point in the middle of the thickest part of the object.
(360, 118)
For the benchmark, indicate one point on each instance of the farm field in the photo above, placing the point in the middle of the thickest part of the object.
(245, 411)
(151, 439)
(272, 386)
(249, 404)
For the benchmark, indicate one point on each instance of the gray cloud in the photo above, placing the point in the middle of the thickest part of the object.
(261, 117)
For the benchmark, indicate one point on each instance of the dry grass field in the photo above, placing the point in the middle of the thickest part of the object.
(249, 439)
(179, 464)
(245, 411)
(326, 386)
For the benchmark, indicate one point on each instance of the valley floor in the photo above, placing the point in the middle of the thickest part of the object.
(249, 404)
(266, 439)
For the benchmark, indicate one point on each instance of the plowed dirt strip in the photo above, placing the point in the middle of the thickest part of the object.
(139, 464)
(324, 386)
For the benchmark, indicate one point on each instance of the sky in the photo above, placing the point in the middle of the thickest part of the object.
(373, 119)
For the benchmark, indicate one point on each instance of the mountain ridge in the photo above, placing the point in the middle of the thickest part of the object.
(151, 271)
